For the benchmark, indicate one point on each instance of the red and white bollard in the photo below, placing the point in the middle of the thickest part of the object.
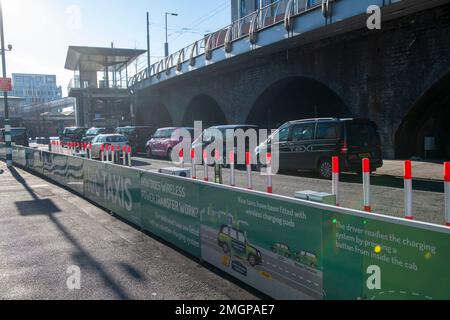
(129, 156)
(447, 192)
(232, 169)
(194, 167)
(408, 191)
(248, 160)
(102, 153)
(107, 152)
(269, 173)
(119, 150)
(113, 154)
(124, 152)
(366, 185)
(181, 156)
(205, 166)
(335, 180)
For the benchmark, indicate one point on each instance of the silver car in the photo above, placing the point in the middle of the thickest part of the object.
(109, 140)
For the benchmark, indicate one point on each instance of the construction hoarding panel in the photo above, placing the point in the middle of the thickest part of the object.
(273, 245)
(171, 210)
(367, 257)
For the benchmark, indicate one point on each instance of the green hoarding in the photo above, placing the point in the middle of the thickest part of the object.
(115, 188)
(286, 248)
(384, 258)
(271, 244)
(75, 174)
(168, 210)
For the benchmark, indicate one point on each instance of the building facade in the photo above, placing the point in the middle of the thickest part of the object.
(15, 105)
(36, 88)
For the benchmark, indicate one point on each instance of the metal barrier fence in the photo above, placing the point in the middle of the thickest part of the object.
(286, 248)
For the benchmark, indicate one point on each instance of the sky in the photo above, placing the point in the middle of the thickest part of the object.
(40, 31)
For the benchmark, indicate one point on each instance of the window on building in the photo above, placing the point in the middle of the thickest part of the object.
(242, 8)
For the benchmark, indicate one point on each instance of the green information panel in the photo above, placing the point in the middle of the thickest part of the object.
(271, 244)
(377, 260)
(171, 210)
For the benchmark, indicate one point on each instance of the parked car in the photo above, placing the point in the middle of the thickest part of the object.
(137, 136)
(18, 136)
(207, 138)
(93, 132)
(162, 143)
(72, 134)
(310, 145)
(107, 140)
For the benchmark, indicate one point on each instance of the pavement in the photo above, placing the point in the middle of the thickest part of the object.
(46, 233)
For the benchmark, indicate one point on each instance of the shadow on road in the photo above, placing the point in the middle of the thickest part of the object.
(138, 163)
(81, 256)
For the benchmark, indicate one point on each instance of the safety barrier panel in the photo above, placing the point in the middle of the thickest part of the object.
(284, 247)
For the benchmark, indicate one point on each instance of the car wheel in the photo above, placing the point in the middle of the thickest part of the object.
(149, 153)
(252, 260)
(325, 169)
(225, 248)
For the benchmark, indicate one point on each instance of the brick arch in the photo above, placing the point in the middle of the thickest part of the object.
(156, 115)
(428, 116)
(293, 98)
(203, 107)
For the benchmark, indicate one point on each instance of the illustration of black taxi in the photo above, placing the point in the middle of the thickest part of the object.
(234, 242)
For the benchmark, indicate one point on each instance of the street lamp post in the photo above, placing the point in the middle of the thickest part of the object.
(166, 45)
(9, 162)
(148, 42)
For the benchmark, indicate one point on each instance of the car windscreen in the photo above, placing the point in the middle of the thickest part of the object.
(70, 130)
(360, 134)
(116, 139)
(93, 132)
(18, 132)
